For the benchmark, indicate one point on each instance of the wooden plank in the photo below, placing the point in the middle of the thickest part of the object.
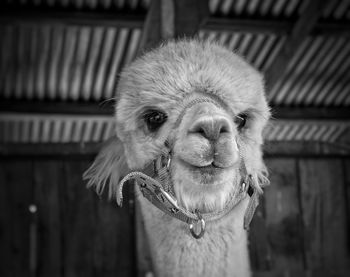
(172, 19)
(323, 209)
(304, 273)
(272, 26)
(56, 107)
(78, 222)
(283, 217)
(305, 149)
(76, 150)
(49, 149)
(346, 170)
(308, 113)
(47, 192)
(189, 16)
(114, 253)
(144, 259)
(107, 108)
(151, 32)
(97, 236)
(16, 182)
(259, 247)
(107, 19)
(6, 205)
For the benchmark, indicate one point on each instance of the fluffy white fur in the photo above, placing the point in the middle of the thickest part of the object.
(202, 135)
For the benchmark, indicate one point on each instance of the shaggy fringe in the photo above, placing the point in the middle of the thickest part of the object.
(107, 169)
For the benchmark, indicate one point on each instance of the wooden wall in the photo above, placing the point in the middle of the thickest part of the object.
(300, 229)
(72, 233)
(302, 225)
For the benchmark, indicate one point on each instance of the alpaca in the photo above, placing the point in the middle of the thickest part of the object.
(189, 121)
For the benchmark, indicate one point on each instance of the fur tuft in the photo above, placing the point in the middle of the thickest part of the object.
(108, 169)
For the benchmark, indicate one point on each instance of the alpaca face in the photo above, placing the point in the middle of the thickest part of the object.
(208, 103)
(205, 166)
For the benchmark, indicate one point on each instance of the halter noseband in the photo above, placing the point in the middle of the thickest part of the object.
(156, 186)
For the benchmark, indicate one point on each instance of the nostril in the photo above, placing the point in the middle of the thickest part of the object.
(223, 129)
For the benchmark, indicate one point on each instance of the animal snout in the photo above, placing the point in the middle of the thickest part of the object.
(211, 127)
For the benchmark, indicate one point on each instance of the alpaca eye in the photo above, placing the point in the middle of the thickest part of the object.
(241, 121)
(154, 119)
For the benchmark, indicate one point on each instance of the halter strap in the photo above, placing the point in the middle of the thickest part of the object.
(155, 184)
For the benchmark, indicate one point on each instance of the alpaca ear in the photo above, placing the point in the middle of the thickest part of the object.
(108, 168)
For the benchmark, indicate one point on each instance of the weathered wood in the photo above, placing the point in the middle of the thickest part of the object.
(97, 236)
(268, 26)
(346, 170)
(107, 108)
(16, 182)
(304, 273)
(48, 150)
(304, 149)
(168, 19)
(151, 32)
(78, 222)
(283, 217)
(144, 259)
(86, 18)
(113, 243)
(48, 180)
(6, 218)
(321, 113)
(190, 15)
(259, 247)
(79, 150)
(323, 210)
(56, 107)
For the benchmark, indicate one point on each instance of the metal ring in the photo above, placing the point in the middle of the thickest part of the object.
(202, 231)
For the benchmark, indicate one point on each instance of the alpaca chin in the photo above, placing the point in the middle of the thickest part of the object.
(204, 197)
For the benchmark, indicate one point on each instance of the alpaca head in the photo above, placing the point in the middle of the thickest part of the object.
(207, 103)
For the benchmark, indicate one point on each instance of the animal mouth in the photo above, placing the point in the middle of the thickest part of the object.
(207, 174)
(211, 169)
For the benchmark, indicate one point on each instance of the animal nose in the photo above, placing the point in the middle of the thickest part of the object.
(211, 128)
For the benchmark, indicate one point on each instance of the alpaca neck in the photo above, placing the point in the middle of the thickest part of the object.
(222, 251)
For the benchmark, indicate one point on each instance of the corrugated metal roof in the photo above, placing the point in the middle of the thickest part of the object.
(55, 128)
(67, 128)
(258, 49)
(81, 63)
(305, 130)
(63, 62)
(317, 75)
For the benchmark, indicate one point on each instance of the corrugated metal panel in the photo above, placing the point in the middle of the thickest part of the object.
(84, 4)
(55, 128)
(64, 62)
(318, 74)
(335, 10)
(262, 8)
(286, 130)
(68, 128)
(258, 49)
